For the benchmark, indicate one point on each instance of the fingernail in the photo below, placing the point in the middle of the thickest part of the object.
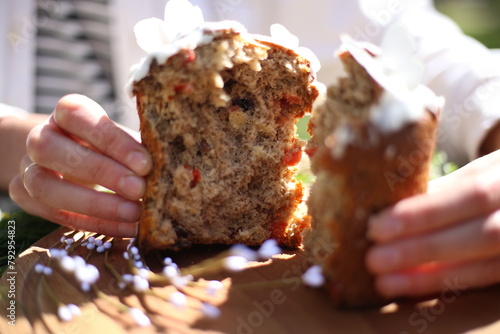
(138, 162)
(129, 211)
(384, 259)
(132, 186)
(383, 228)
(394, 285)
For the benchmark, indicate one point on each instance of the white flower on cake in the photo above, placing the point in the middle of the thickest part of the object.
(394, 67)
(286, 38)
(290, 41)
(183, 27)
(180, 19)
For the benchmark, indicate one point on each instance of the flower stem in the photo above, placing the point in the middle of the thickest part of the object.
(279, 283)
(111, 268)
(48, 290)
(119, 305)
(209, 266)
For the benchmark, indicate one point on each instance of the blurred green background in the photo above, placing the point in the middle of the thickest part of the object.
(477, 18)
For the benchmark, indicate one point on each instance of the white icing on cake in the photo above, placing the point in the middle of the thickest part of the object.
(403, 101)
(393, 112)
(393, 67)
(342, 136)
(184, 27)
(285, 38)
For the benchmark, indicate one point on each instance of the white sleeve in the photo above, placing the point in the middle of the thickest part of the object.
(6, 110)
(466, 73)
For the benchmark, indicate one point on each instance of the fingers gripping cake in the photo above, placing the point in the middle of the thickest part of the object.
(218, 109)
(372, 143)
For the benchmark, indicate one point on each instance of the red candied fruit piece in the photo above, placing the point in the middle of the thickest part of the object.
(288, 103)
(292, 156)
(196, 176)
(183, 88)
(311, 151)
(288, 100)
(190, 56)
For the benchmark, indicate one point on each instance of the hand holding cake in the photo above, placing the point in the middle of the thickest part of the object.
(448, 235)
(78, 148)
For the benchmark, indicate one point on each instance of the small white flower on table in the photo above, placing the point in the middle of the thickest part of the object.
(139, 317)
(268, 249)
(313, 277)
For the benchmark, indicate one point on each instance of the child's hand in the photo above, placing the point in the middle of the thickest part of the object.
(78, 148)
(449, 236)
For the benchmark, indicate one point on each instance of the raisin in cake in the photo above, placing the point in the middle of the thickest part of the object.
(218, 116)
(371, 147)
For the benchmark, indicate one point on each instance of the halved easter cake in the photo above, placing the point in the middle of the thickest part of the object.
(218, 109)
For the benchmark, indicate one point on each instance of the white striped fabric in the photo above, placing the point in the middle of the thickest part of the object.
(73, 52)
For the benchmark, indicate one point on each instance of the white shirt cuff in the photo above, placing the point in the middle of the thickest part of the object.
(486, 98)
(7, 110)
